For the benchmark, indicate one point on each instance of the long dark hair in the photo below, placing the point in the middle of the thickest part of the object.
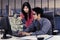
(24, 13)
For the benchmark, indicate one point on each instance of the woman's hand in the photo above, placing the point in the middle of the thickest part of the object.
(25, 33)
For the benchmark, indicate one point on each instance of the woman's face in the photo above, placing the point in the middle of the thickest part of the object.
(26, 9)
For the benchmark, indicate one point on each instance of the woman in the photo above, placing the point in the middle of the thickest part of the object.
(27, 15)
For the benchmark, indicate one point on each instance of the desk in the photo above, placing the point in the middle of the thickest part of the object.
(50, 37)
(20, 38)
(46, 37)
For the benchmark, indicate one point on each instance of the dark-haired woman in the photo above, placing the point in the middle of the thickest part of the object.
(26, 15)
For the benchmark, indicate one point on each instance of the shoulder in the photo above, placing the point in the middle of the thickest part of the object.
(45, 20)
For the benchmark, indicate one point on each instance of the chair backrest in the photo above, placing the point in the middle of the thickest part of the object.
(57, 22)
(49, 15)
